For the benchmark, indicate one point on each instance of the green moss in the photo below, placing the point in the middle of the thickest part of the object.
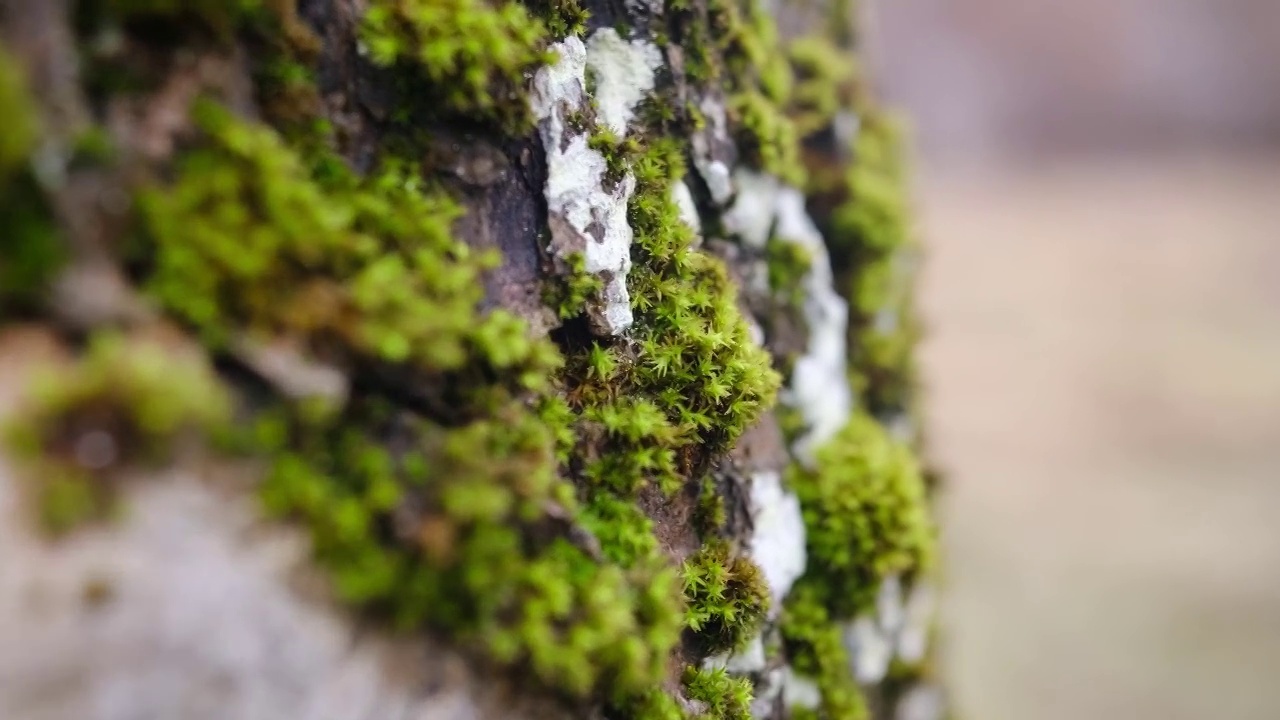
(788, 263)
(824, 82)
(218, 16)
(725, 697)
(735, 46)
(711, 514)
(766, 136)
(866, 515)
(123, 403)
(815, 649)
(870, 237)
(247, 240)
(453, 530)
(33, 250)
(466, 553)
(651, 705)
(569, 292)
(697, 359)
(727, 596)
(472, 54)
(624, 531)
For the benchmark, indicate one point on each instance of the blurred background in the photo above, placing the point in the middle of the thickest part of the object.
(1100, 189)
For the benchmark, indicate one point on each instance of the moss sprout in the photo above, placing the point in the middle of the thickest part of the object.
(727, 595)
(724, 697)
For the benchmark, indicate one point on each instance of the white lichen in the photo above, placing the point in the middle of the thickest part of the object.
(587, 214)
(778, 543)
(683, 198)
(624, 74)
(708, 143)
(819, 387)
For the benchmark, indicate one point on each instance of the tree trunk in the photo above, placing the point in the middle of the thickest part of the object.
(455, 358)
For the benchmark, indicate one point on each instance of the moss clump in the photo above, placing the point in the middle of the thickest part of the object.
(651, 705)
(724, 697)
(691, 380)
(454, 530)
(123, 403)
(569, 292)
(825, 79)
(866, 515)
(33, 250)
(451, 532)
(696, 359)
(788, 263)
(870, 238)
(727, 595)
(767, 136)
(250, 239)
(216, 16)
(563, 17)
(472, 54)
(816, 650)
(20, 122)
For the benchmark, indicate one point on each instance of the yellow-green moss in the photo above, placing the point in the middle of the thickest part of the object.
(563, 17)
(816, 650)
(216, 15)
(569, 292)
(727, 595)
(870, 237)
(824, 82)
(33, 250)
(473, 55)
(123, 403)
(866, 516)
(734, 45)
(788, 263)
(453, 530)
(247, 240)
(725, 697)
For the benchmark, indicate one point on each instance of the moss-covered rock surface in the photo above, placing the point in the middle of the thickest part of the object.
(376, 241)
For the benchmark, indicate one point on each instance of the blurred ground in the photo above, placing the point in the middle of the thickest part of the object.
(1104, 377)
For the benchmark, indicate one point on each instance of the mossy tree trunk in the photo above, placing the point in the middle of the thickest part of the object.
(455, 358)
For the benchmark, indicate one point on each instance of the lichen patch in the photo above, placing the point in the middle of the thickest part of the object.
(587, 215)
(624, 74)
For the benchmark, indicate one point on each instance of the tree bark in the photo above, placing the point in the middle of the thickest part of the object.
(270, 406)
